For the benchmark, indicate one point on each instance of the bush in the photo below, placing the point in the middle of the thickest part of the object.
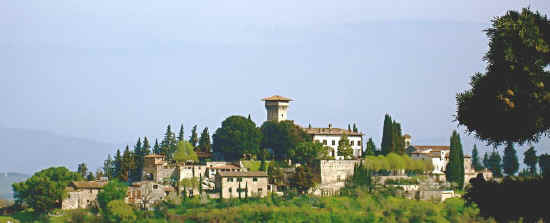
(119, 211)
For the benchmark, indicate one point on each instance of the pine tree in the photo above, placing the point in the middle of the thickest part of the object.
(455, 168)
(117, 164)
(530, 159)
(168, 144)
(194, 139)
(204, 141)
(180, 135)
(387, 135)
(510, 163)
(371, 148)
(156, 148)
(349, 128)
(476, 163)
(108, 167)
(140, 150)
(355, 128)
(127, 165)
(82, 169)
(249, 118)
(494, 163)
(146, 146)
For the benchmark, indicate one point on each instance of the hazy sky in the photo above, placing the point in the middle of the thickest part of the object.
(115, 70)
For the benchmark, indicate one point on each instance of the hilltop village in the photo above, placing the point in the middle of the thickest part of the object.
(238, 178)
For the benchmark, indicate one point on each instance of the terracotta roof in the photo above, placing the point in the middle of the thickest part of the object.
(331, 131)
(228, 166)
(89, 184)
(277, 98)
(154, 156)
(467, 156)
(243, 174)
(407, 136)
(204, 154)
(433, 148)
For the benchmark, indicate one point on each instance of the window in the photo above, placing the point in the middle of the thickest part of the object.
(333, 142)
(229, 190)
(324, 142)
(155, 186)
(260, 190)
(359, 142)
(254, 179)
(338, 178)
(240, 179)
(230, 179)
(352, 143)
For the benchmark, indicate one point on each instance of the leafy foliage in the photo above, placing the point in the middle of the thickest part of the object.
(204, 141)
(114, 190)
(511, 101)
(185, 153)
(45, 189)
(395, 162)
(495, 164)
(237, 136)
(302, 179)
(119, 211)
(306, 152)
(281, 137)
(371, 148)
(344, 147)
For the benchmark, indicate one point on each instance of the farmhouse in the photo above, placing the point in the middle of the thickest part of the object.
(242, 184)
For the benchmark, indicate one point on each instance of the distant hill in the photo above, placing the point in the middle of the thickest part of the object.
(6, 180)
(27, 151)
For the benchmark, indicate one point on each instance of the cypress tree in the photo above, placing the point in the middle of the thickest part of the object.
(127, 165)
(108, 167)
(387, 135)
(140, 150)
(510, 163)
(455, 168)
(82, 169)
(349, 128)
(146, 146)
(180, 135)
(486, 161)
(194, 139)
(156, 148)
(494, 163)
(355, 128)
(476, 163)
(530, 159)
(204, 142)
(117, 170)
(398, 143)
(168, 144)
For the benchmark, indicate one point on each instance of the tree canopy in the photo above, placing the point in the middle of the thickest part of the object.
(45, 190)
(510, 163)
(114, 190)
(455, 167)
(237, 136)
(476, 162)
(511, 100)
(530, 159)
(306, 152)
(281, 137)
(185, 153)
(344, 147)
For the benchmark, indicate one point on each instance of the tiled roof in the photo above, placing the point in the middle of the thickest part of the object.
(433, 148)
(243, 174)
(277, 98)
(228, 166)
(154, 156)
(89, 184)
(331, 131)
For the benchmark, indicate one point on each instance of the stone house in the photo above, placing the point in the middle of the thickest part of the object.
(145, 194)
(332, 175)
(82, 194)
(155, 168)
(248, 184)
(331, 136)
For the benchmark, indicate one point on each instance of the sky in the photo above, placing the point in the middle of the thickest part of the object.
(113, 71)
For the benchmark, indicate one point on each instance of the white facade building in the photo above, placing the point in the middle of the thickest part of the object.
(331, 136)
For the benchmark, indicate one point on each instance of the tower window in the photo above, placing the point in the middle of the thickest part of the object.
(333, 142)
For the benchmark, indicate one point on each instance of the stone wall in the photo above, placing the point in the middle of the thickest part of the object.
(229, 188)
(332, 171)
(82, 198)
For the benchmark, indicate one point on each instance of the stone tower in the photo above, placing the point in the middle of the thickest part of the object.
(276, 107)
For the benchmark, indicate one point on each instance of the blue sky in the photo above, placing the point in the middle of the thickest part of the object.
(116, 70)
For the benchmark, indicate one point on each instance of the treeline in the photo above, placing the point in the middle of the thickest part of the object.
(394, 162)
(508, 164)
(392, 138)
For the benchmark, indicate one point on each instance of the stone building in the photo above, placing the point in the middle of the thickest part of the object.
(277, 107)
(82, 194)
(248, 184)
(156, 169)
(145, 194)
(331, 136)
(332, 175)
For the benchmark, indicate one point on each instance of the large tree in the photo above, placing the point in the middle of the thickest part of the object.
(306, 152)
(82, 169)
(511, 100)
(281, 137)
(510, 163)
(117, 165)
(140, 151)
(127, 165)
(398, 143)
(168, 144)
(237, 136)
(180, 134)
(455, 168)
(108, 167)
(530, 159)
(387, 135)
(544, 164)
(476, 162)
(156, 148)
(486, 161)
(114, 190)
(204, 141)
(302, 179)
(45, 190)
